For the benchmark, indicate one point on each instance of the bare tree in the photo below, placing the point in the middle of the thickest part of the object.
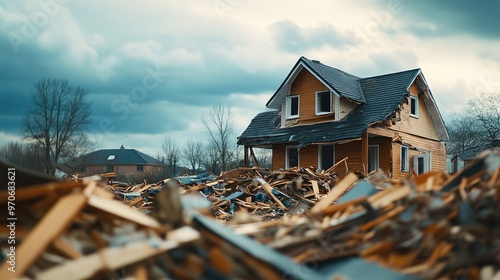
(220, 126)
(477, 126)
(486, 111)
(211, 161)
(172, 154)
(74, 149)
(59, 114)
(27, 155)
(193, 154)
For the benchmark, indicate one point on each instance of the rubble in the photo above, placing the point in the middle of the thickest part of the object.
(254, 223)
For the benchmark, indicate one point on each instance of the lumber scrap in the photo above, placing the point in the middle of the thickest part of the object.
(114, 258)
(335, 193)
(51, 226)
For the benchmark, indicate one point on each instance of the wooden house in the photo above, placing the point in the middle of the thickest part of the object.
(320, 115)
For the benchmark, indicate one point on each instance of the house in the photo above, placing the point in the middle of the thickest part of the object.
(320, 115)
(128, 164)
(462, 159)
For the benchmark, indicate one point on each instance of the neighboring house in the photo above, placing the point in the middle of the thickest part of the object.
(128, 164)
(460, 160)
(320, 115)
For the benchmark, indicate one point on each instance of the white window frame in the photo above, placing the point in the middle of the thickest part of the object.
(289, 106)
(414, 104)
(287, 162)
(427, 163)
(405, 162)
(377, 157)
(317, 94)
(320, 154)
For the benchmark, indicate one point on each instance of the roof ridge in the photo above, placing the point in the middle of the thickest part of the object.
(393, 73)
(340, 70)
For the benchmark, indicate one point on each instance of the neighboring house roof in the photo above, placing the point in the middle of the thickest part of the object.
(382, 96)
(117, 157)
(338, 81)
(472, 152)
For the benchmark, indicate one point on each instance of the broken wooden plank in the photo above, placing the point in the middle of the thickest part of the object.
(335, 193)
(269, 191)
(122, 211)
(49, 228)
(117, 257)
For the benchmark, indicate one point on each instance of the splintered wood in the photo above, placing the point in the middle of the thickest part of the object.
(271, 225)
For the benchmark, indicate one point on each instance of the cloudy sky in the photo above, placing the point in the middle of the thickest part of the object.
(154, 68)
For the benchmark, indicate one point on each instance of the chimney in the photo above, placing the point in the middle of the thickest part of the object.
(122, 148)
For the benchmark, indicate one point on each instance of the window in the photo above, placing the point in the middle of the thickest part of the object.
(372, 158)
(111, 157)
(326, 156)
(292, 157)
(140, 168)
(82, 168)
(323, 102)
(109, 168)
(292, 106)
(422, 163)
(414, 106)
(404, 159)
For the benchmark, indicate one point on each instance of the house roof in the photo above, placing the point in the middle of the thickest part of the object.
(382, 94)
(338, 81)
(117, 157)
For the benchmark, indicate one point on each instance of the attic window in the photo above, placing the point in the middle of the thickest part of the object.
(414, 106)
(292, 106)
(323, 102)
(111, 157)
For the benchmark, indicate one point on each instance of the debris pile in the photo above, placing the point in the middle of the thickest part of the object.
(432, 226)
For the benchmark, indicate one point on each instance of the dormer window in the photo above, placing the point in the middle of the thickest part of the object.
(323, 102)
(414, 106)
(292, 106)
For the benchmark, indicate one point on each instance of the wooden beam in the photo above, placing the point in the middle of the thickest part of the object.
(254, 157)
(364, 152)
(245, 154)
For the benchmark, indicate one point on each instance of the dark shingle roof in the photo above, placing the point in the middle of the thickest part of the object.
(343, 83)
(121, 156)
(383, 95)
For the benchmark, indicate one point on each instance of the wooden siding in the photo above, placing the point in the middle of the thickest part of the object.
(423, 125)
(418, 145)
(306, 85)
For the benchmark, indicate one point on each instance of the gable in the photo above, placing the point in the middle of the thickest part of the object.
(339, 82)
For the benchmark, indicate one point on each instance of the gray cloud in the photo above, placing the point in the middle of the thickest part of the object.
(293, 38)
(478, 18)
